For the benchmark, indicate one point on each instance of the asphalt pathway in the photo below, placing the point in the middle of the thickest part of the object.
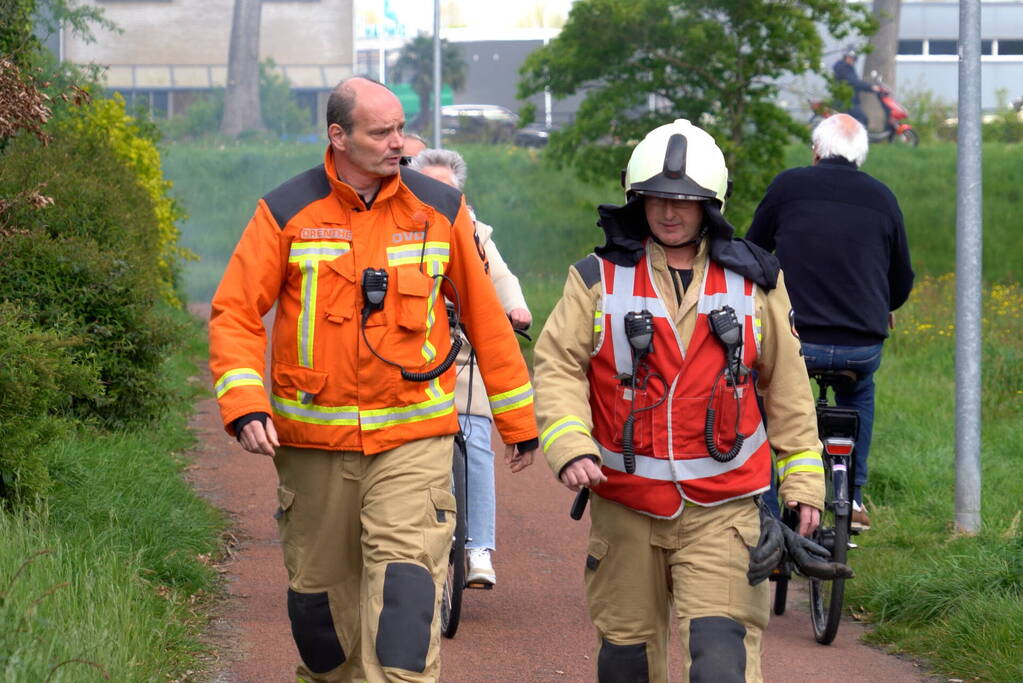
(532, 626)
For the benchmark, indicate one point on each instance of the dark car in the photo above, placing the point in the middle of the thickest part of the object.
(533, 135)
(478, 122)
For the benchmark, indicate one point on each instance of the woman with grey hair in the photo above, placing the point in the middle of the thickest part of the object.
(474, 413)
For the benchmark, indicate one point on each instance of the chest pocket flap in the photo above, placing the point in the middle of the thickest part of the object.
(414, 290)
(339, 276)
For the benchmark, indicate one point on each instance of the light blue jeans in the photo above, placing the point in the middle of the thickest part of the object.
(481, 498)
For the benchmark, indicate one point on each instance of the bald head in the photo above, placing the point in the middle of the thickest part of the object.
(841, 136)
(345, 95)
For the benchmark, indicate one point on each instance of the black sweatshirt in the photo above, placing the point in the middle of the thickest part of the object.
(839, 235)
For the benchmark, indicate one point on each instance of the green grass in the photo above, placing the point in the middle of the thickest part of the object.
(105, 580)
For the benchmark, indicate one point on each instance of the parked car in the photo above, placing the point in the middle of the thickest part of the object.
(533, 135)
(479, 122)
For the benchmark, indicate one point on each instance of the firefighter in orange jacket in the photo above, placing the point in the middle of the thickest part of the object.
(359, 254)
(645, 394)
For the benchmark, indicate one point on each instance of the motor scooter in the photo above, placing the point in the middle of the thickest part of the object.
(896, 129)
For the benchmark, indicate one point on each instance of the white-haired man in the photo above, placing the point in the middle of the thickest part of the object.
(839, 236)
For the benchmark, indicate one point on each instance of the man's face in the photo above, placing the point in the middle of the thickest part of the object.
(373, 148)
(413, 147)
(441, 173)
(673, 221)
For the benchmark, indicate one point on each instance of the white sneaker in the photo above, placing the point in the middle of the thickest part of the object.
(860, 521)
(481, 570)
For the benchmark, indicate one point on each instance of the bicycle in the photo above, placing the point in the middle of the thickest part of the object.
(454, 583)
(838, 429)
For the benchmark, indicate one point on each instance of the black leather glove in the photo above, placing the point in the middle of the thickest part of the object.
(811, 559)
(770, 548)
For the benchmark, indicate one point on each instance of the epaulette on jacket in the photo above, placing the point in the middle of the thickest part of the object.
(444, 198)
(288, 199)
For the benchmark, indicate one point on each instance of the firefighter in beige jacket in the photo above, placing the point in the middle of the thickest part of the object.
(627, 367)
(474, 413)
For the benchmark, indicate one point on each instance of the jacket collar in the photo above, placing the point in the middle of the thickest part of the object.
(837, 162)
(347, 195)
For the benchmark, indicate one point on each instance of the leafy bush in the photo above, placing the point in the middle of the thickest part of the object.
(281, 114)
(88, 266)
(105, 121)
(928, 114)
(38, 378)
(201, 119)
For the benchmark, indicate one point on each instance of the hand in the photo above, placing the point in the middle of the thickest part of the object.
(581, 472)
(875, 88)
(809, 517)
(520, 318)
(518, 461)
(258, 439)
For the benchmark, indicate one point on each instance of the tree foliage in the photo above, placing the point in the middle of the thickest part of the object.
(643, 63)
(415, 66)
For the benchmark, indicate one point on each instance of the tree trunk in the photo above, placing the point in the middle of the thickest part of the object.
(241, 97)
(882, 57)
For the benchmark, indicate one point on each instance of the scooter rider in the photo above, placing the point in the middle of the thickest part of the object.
(845, 71)
(645, 394)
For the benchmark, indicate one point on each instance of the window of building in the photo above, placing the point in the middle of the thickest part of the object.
(911, 47)
(942, 47)
(1010, 47)
(985, 47)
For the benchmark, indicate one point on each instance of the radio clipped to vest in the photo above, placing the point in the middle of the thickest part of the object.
(639, 330)
(374, 289)
(728, 330)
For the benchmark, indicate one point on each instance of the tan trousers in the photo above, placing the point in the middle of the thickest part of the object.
(366, 542)
(639, 567)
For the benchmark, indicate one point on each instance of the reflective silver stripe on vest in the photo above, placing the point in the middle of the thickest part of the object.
(620, 302)
(685, 470)
(734, 296)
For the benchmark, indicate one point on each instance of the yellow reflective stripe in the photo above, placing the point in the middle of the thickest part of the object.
(807, 461)
(239, 377)
(429, 351)
(435, 390)
(379, 418)
(567, 424)
(412, 254)
(313, 414)
(317, 251)
(598, 321)
(510, 400)
(307, 315)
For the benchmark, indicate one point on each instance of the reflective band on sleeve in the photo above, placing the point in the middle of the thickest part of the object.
(314, 414)
(239, 377)
(598, 322)
(510, 400)
(807, 461)
(567, 424)
(416, 412)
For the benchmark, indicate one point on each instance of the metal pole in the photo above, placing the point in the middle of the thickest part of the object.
(436, 74)
(968, 273)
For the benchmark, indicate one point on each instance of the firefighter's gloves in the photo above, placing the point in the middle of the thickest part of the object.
(770, 548)
(813, 560)
(777, 540)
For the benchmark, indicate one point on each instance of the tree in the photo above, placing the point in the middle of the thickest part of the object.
(415, 65)
(715, 63)
(241, 97)
(884, 46)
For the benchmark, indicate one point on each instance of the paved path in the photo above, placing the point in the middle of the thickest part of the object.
(531, 627)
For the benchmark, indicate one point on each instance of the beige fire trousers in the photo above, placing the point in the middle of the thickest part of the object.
(638, 568)
(366, 542)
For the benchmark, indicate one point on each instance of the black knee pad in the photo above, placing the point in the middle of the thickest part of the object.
(622, 663)
(717, 650)
(403, 632)
(312, 626)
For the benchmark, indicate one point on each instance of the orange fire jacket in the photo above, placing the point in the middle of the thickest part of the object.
(306, 249)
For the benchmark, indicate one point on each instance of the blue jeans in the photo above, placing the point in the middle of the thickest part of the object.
(864, 360)
(481, 499)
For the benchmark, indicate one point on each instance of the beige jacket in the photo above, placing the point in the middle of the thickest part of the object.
(562, 356)
(510, 295)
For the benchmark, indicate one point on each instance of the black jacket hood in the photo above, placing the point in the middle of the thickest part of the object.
(626, 231)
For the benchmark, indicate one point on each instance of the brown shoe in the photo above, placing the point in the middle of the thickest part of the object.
(860, 521)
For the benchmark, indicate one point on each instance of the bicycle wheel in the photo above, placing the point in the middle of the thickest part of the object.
(833, 533)
(454, 584)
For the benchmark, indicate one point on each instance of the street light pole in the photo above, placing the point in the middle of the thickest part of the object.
(436, 74)
(969, 210)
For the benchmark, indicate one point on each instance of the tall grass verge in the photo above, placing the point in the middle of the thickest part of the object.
(104, 580)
